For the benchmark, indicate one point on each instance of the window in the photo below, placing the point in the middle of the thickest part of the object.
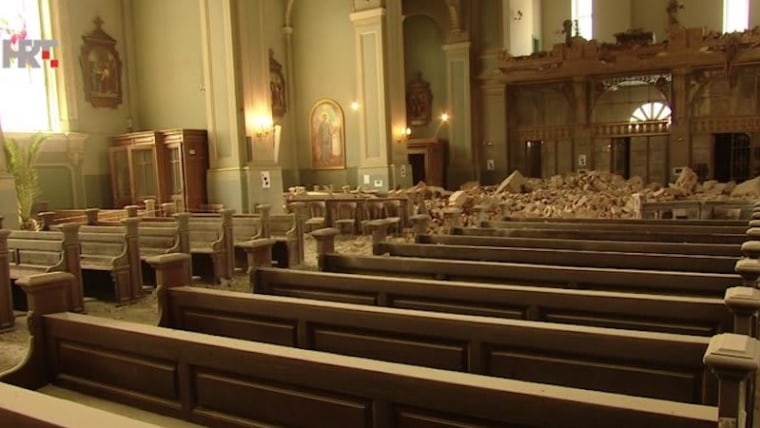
(651, 112)
(583, 13)
(28, 103)
(735, 15)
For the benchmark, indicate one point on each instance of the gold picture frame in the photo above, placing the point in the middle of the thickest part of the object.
(327, 135)
(101, 68)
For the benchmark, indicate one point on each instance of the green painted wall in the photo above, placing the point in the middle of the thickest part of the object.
(324, 63)
(168, 64)
(423, 52)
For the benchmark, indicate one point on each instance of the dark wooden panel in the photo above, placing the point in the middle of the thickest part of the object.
(423, 351)
(633, 379)
(241, 326)
(323, 294)
(611, 320)
(265, 402)
(131, 372)
(470, 308)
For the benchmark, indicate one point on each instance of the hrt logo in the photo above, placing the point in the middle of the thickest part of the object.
(27, 52)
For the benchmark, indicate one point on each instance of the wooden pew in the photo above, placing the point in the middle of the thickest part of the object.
(22, 408)
(38, 252)
(222, 381)
(724, 250)
(211, 244)
(706, 229)
(627, 221)
(699, 316)
(606, 235)
(628, 280)
(585, 258)
(666, 366)
(245, 227)
(115, 252)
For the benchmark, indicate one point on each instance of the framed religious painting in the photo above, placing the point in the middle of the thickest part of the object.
(101, 68)
(327, 135)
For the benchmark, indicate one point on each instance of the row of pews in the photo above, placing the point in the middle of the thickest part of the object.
(431, 339)
(107, 252)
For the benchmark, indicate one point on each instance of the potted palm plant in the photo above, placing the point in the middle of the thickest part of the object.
(19, 162)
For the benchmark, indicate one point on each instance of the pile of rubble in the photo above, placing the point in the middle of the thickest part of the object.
(591, 194)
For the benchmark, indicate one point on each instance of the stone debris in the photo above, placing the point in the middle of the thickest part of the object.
(591, 194)
(515, 183)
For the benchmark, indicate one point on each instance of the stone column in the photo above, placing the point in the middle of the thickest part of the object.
(679, 146)
(380, 78)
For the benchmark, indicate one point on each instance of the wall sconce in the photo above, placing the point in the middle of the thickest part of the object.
(263, 126)
(404, 134)
(355, 105)
(444, 117)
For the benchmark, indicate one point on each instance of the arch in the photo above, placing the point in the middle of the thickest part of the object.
(651, 111)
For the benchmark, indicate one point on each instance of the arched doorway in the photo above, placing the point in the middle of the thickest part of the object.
(638, 111)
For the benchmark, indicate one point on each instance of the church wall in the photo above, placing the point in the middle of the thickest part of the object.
(490, 28)
(75, 173)
(168, 65)
(324, 67)
(554, 12)
(423, 53)
(614, 17)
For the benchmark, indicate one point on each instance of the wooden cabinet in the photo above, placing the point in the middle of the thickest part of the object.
(167, 165)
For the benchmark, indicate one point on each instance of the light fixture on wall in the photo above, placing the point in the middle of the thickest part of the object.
(444, 117)
(263, 126)
(355, 105)
(404, 134)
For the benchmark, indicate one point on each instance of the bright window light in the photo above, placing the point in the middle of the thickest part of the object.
(651, 111)
(735, 15)
(583, 12)
(24, 105)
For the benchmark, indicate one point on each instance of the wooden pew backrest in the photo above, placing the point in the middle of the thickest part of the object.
(214, 381)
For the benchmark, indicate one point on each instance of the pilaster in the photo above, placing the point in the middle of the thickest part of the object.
(458, 96)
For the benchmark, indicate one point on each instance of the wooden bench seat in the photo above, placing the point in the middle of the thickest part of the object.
(726, 250)
(699, 316)
(628, 280)
(634, 221)
(222, 381)
(563, 257)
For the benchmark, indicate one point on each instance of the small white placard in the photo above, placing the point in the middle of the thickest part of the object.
(378, 183)
(266, 182)
(581, 160)
(402, 170)
(490, 165)
(366, 178)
